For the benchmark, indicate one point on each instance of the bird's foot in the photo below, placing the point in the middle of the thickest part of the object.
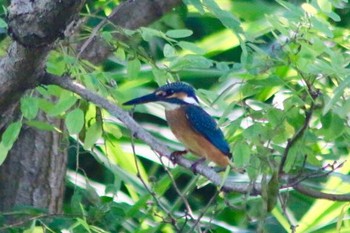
(175, 154)
(195, 164)
(218, 169)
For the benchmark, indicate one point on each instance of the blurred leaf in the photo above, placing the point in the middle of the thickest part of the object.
(241, 153)
(169, 51)
(3, 23)
(74, 121)
(133, 68)
(8, 139)
(197, 4)
(191, 47)
(29, 107)
(337, 94)
(113, 129)
(93, 133)
(120, 54)
(65, 102)
(11, 134)
(226, 18)
(3, 153)
(41, 125)
(272, 191)
(179, 33)
(148, 33)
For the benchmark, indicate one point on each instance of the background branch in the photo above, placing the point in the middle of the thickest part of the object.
(129, 15)
(297, 135)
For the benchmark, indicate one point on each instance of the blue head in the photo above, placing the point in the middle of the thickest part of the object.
(171, 95)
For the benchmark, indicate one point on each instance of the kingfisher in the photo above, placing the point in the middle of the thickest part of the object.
(190, 124)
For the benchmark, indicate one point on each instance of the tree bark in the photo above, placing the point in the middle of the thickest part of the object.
(33, 173)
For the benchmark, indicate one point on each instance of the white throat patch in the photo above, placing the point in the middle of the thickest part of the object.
(190, 100)
(172, 106)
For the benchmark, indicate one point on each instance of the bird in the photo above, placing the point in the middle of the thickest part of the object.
(190, 123)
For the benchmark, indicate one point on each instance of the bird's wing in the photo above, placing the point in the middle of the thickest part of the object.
(204, 124)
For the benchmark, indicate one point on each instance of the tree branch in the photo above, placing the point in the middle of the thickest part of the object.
(161, 149)
(298, 134)
(321, 195)
(140, 133)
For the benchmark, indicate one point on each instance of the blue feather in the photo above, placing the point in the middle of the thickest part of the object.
(204, 124)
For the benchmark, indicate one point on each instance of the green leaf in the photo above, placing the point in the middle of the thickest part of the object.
(148, 33)
(75, 121)
(241, 153)
(65, 102)
(332, 126)
(40, 125)
(272, 191)
(322, 26)
(29, 107)
(191, 61)
(3, 153)
(222, 66)
(191, 47)
(169, 51)
(197, 4)
(93, 133)
(179, 33)
(133, 68)
(113, 129)
(120, 54)
(8, 139)
(160, 76)
(295, 157)
(3, 23)
(253, 169)
(226, 18)
(337, 94)
(11, 133)
(107, 36)
(325, 5)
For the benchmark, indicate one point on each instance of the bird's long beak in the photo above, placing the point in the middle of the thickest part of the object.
(143, 99)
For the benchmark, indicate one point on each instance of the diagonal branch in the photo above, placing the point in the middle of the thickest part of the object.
(140, 133)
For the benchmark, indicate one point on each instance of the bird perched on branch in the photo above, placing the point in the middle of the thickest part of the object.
(191, 125)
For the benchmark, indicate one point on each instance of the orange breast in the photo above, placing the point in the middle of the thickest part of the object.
(191, 139)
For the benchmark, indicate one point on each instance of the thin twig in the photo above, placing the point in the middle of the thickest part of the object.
(152, 193)
(24, 221)
(297, 135)
(205, 210)
(183, 198)
(318, 174)
(320, 195)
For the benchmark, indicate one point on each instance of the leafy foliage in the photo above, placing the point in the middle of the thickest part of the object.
(274, 74)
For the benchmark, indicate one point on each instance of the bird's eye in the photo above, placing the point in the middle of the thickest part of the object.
(161, 93)
(170, 92)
